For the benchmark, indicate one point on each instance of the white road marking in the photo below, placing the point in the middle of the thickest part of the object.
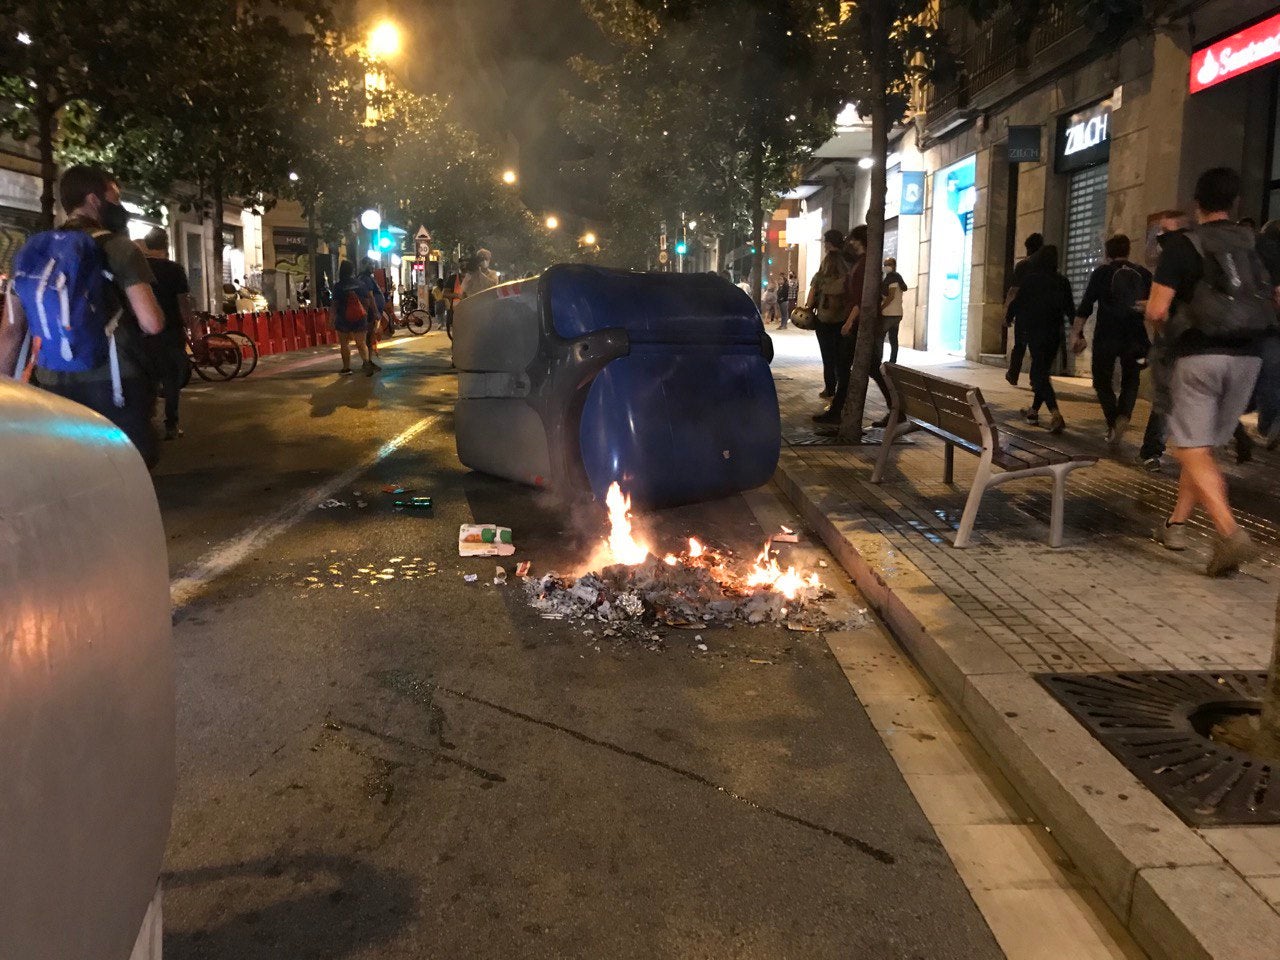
(192, 581)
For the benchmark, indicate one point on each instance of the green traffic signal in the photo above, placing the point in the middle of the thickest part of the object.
(682, 248)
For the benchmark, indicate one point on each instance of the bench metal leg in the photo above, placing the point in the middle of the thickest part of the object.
(1059, 503)
(886, 445)
(949, 464)
(969, 517)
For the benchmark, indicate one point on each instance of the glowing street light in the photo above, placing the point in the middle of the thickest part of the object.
(384, 40)
(508, 177)
(588, 239)
(693, 224)
(371, 219)
(552, 222)
(293, 176)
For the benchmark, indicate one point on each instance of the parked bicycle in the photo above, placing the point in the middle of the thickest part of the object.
(246, 343)
(214, 356)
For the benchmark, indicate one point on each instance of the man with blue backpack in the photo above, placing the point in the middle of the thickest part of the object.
(84, 290)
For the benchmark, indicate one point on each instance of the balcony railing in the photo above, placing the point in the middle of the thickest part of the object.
(990, 51)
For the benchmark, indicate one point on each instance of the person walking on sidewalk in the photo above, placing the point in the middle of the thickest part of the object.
(891, 290)
(826, 298)
(1119, 336)
(1041, 306)
(1213, 299)
(353, 311)
(1033, 244)
(167, 350)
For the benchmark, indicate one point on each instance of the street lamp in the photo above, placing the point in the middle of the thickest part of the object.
(508, 177)
(588, 239)
(371, 219)
(384, 40)
(693, 224)
(552, 222)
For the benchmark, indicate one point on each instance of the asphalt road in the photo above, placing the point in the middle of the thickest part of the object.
(397, 763)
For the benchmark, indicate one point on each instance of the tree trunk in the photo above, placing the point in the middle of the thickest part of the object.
(218, 212)
(757, 221)
(867, 349)
(45, 124)
(1267, 743)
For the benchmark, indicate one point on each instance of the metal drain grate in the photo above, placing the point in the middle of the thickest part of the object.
(1156, 724)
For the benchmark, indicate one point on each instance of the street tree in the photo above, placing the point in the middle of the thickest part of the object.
(707, 108)
(60, 59)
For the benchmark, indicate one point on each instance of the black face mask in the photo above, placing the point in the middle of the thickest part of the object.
(113, 216)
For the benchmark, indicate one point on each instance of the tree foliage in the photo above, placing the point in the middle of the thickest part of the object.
(705, 108)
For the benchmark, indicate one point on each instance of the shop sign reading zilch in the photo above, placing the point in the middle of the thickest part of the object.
(1233, 56)
(1084, 138)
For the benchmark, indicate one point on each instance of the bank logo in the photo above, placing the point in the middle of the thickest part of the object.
(1246, 50)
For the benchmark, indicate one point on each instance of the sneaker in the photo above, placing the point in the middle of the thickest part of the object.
(1011, 377)
(1031, 416)
(826, 395)
(1171, 536)
(1056, 423)
(827, 416)
(1151, 464)
(1231, 553)
(369, 368)
(173, 433)
(881, 423)
(345, 371)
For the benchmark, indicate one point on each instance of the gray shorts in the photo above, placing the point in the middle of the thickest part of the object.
(1209, 394)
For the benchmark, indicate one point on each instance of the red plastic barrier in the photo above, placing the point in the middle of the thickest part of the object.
(301, 330)
(276, 335)
(309, 325)
(260, 333)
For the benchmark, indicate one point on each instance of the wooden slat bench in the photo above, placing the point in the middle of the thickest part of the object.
(957, 414)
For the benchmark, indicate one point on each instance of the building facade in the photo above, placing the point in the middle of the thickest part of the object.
(1058, 137)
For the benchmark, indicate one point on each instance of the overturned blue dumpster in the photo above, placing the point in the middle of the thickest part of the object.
(586, 376)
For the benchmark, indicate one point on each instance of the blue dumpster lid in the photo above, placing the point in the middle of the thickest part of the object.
(651, 307)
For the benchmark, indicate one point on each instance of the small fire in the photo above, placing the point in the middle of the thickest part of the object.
(622, 545)
(767, 573)
(695, 548)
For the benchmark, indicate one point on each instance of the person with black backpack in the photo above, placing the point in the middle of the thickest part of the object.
(1213, 299)
(84, 290)
(1115, 288)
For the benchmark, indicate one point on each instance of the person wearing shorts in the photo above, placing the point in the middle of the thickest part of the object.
(1211, 379)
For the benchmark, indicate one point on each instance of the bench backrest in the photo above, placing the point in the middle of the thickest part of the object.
(951, 408)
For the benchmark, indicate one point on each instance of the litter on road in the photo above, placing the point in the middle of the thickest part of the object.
(485, 540)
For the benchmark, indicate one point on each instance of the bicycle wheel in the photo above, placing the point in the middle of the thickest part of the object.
(217, 358)
(248, 351)
(418, 322)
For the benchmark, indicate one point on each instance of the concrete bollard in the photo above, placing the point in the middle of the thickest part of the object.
(86, 686)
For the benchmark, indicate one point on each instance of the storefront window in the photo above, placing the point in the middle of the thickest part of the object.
(951, 255)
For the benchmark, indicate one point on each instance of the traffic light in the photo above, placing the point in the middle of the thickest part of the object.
(384, 241)
(681, 247)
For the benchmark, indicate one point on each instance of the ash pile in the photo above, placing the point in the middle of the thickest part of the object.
(682, 593)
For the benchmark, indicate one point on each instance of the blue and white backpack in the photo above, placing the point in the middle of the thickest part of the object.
(66, 289)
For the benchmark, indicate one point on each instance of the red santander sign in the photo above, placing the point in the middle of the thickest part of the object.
(1236, 55)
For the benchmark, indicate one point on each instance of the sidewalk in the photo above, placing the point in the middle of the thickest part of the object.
(981, 621)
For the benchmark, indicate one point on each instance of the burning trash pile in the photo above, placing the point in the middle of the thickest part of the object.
(634, 591)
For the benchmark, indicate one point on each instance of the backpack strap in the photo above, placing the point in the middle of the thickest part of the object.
(24, 351)
(113, 351)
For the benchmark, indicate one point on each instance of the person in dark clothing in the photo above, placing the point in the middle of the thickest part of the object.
(1041, 306)
(1116, 289)
(786, 293)
(856, 249)
(1033, 244)
(91, 198)
(167, 350)
(827, 299)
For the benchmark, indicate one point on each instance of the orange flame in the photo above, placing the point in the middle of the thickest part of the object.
(695, 548)
(767, 573)
(622, 545)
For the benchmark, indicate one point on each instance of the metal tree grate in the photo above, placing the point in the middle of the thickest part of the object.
(1157, 725)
